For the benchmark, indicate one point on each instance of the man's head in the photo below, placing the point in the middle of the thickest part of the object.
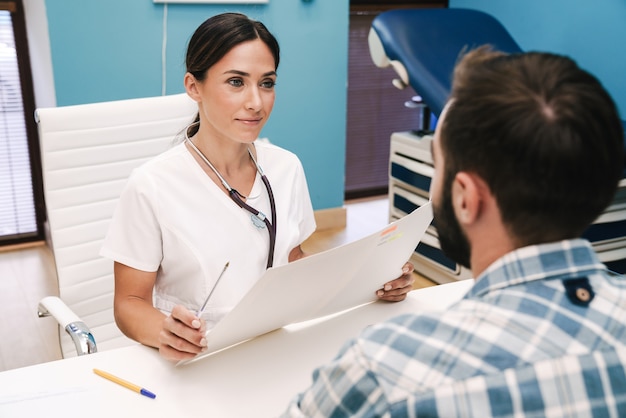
(542, 135)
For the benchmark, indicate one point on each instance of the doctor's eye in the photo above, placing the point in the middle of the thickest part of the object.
(235, 82)
(268, 84)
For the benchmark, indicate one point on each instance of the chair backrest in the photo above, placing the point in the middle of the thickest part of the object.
(428, 42)
(88, 152)
(585, 385)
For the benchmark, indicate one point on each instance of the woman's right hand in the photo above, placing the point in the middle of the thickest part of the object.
(182, 336)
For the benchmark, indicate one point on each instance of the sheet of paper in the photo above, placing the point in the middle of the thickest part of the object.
(321, 284)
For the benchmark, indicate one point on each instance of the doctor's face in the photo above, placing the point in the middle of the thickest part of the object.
(452, 239)
(237, 95)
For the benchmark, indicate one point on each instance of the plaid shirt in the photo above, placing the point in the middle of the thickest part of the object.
(516, 343)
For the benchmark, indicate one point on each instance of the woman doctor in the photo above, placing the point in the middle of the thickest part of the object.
(220, 196)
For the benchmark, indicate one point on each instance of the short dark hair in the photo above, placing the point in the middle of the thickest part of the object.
(544, 135)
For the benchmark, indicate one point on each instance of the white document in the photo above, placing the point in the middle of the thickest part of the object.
(321, 284)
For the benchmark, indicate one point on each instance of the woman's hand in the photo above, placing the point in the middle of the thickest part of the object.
(182, 336)
(397, 289)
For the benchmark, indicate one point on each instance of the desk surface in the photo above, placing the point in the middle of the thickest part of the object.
(257, 378)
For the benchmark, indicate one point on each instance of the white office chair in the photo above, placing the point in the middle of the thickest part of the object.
(88, 151)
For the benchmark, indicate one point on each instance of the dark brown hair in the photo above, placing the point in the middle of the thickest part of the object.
(543, 133)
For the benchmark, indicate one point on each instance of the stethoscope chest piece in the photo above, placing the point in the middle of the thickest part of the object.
(258, 220)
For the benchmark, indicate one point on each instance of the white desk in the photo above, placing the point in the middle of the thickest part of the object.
(257, 378)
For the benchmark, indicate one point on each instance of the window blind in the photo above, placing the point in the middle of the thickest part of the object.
(18, 220)
(375, 110)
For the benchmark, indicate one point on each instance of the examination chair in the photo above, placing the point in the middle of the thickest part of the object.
(88, 152)
(423, 45)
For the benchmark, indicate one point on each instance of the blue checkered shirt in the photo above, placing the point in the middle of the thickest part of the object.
(515, 344)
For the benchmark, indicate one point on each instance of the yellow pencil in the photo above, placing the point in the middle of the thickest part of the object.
(124, 383)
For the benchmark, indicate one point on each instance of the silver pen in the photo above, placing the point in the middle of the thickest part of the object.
(201, 310)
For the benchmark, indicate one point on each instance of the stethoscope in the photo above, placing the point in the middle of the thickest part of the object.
(258, 218)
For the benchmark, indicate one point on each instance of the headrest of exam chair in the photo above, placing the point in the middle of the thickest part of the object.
(423, 45)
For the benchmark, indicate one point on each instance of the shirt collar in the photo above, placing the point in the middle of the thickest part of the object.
(557, 260)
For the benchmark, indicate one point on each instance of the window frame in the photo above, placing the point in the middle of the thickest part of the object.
(18, 20)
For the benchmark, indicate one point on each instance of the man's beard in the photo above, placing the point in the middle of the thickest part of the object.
(453, 241)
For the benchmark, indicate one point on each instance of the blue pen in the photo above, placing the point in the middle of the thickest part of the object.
(126, 384)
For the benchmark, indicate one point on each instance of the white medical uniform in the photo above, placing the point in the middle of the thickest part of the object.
(173, 219)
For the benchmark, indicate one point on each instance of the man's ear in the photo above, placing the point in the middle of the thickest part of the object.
(191, 87)
(466, 197)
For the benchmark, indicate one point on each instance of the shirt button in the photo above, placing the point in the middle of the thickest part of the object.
(583, 294)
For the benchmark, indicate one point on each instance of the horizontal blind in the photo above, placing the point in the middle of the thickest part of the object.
(17, 208)
(375, 110)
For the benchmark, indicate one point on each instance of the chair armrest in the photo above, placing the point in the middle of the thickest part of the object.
(81, 335)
